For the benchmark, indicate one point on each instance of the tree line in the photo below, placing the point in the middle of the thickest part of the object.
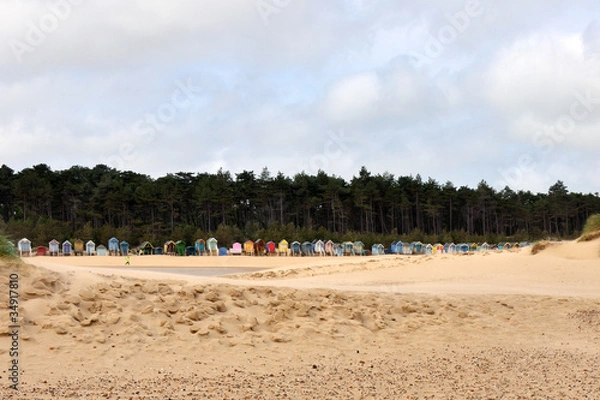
(100, 202)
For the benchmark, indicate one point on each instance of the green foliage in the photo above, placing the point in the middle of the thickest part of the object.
(7, 249)
(227, 235)
(100, 202)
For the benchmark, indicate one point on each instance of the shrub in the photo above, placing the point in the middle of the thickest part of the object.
(7, 249)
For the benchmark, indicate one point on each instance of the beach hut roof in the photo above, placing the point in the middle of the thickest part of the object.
(54, 241)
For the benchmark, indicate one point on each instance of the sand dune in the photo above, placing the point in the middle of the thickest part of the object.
(572, 250)
(480, 326)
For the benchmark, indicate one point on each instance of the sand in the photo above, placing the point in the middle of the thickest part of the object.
(492, 325)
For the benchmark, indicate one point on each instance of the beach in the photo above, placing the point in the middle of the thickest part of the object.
(488, 325)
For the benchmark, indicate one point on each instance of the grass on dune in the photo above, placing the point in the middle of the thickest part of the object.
(591, 231)
(539, 246)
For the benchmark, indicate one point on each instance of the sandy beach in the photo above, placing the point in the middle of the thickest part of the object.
(493, 325)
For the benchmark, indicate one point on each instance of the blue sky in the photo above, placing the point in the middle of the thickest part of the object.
(462, 91)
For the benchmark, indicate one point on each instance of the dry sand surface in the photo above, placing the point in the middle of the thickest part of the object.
(493, 325)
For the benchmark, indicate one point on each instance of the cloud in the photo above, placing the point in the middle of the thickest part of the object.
(354, 98)
(544, 85)
(97, 83)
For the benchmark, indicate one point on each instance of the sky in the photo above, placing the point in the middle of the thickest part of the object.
(463, 91)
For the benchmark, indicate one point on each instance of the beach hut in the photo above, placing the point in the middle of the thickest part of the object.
(190, 251)
(78, 247)
(428, 248)
(347, 248)
(462, 248)
(393, 247)
(359, 248)
(483, 246)
(158, 251)
(271, 248)
(283, 248)
(330, 248)
(222, 251)
(249, 248)
(124, 247)
(307, 249)
(54, 247)
(438, 248)
(338, 250)
(200, 246)
(417, 247)
(180, 247)
(41, 251)
(259, 247)
(473, 247)
(377, 249)
(113, 246)
(319, 247)
(449, 248)
(399, 247)
(505, 246)
(101, 250)
(146, 248)
(67, 248)
(212, 247)
(236, 249)
(296, 248)
(169, 248)
(90, 248)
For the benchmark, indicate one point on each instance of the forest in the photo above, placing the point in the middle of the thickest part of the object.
(100, 202)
